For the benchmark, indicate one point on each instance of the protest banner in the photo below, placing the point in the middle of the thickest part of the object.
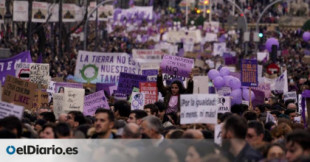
(105, 87)
(19, 92)
(20, 11)
(175, 36)
(178, 66)
(167, 48)
(40, 100)
(33, 72)
(94, 101)
(138, 101)
(99, 67)
(200, 84)
(7, 109)
(281, 83)
(259, 97)
(7, 66)
(199, 108)
(141, 12)
(105, 12)
(39, 12)
(150, 90)
(73, 99)
(219, 49)
(58, 101)
(218, 134)
(249, 74)
(211, 37)
(68, 13)
(290, 96)
(128, 81)
(147, 55)
(59, 86)
(212, 26)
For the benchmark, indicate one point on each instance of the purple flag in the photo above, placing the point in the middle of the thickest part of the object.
(104, 87)
(7, 66)
(128, 81)
(39, 60)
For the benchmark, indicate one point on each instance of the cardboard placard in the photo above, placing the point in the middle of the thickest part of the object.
(73, 99)
(7, 109)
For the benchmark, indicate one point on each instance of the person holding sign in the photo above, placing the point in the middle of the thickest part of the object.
(172, 93)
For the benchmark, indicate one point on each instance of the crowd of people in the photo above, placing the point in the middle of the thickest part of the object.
(246, 135)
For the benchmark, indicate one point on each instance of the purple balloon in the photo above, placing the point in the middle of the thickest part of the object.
(227, 79)
(213, 74)
(306, 36)
(246, 95)
(236, 97)
(270, 42)
(234, 83)
(218, 82)
(224, 71)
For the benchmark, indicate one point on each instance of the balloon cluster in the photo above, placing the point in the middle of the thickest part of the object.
(223, 78)
(306, 36)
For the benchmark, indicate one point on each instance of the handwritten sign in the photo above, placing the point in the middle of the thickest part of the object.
(40, 101)
(58, 101)
(33, 72)
(249, 73)
(150, 91)
(59, 86)
(18, 91)
(199, 108)
(224, 104)
(128, 81)
(7, 109)
(175, 65)
(73, 99)
(96, 67)
(95, 101)
(138, 101)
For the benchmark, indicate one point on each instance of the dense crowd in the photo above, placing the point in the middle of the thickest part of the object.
(248, 134)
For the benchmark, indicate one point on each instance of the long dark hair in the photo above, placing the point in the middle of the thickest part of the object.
(180, 85)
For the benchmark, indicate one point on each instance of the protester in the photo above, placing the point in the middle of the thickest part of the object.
(104, 122)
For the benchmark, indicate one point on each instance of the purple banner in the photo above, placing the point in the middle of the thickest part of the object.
(175, 65)
(128, 81)
(7, 66)
(230, 60)
(105, 87)
(249, 73)
(259, 97)
(94, 101)
(150, 72)
(59, 86)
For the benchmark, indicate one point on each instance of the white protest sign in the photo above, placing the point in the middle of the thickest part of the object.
(211, 37)
(218, 134)
(281, 84)
(290, 96)
(95, 101)
(50, 90)
(262, 55)
(212, 26)
(73, 99)
(138, 100)
(7, 109)
(299, 105)
(58, 101)
(200, 84)
(260, 71)
(100, 67)
(199, 108)
(224, 104)
(219, 49)
(39, 11)
(167, 48)
(270, 118)
(174, 36)
(20, 10)
(147, 55)
(33, 72)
